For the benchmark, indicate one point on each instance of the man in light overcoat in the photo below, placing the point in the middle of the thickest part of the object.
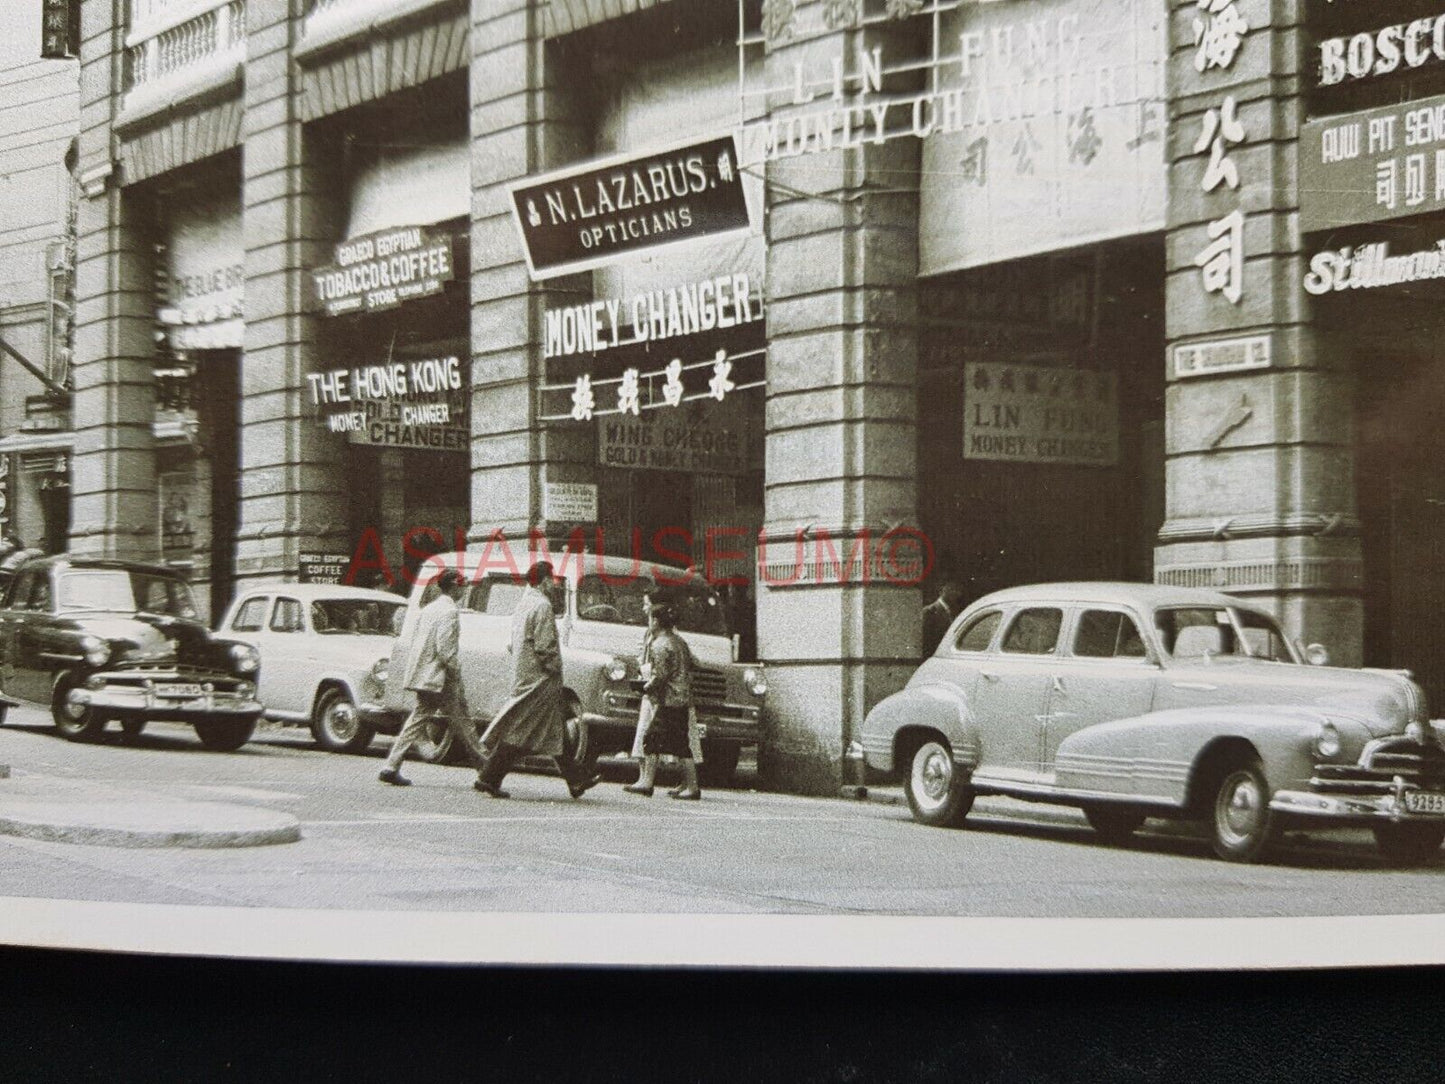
(532, 721)
(434, 674)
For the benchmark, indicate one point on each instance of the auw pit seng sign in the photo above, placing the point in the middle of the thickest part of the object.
(586, 216)
(381, 270)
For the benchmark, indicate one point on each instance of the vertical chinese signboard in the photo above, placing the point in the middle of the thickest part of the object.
(59, 29)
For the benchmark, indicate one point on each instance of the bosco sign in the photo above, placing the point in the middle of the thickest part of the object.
(381, 270)
(587, 216)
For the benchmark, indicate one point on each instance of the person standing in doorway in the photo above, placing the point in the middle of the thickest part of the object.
(939, 614)
(670, 689)
(531, 722)
(434, 674)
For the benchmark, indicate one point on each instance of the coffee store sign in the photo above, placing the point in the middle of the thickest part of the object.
(590, 215)
(381, 270)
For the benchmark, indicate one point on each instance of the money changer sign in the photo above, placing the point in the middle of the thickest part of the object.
(1038, 414)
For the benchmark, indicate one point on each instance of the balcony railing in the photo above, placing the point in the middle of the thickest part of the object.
(175, 46)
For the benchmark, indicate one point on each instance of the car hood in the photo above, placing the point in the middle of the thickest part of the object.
(1382, 700)
(627, 640)
(148, 637)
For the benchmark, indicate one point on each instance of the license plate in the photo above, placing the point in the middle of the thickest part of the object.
(1420, 802)
(180, 692)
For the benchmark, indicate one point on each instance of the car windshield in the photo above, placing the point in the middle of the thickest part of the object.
(1199, 631)
(621, 603)
(356, 616)
(116, 590)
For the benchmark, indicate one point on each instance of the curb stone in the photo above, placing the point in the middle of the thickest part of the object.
(208, 826)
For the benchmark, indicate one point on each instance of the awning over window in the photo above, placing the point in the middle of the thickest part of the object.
(206, 272)
(411, 186)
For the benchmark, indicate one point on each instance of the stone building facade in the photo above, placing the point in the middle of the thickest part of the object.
(1053, 323)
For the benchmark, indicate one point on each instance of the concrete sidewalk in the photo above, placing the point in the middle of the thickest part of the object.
(56, 810)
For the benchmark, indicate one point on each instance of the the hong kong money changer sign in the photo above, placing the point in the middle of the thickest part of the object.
(1040, 414)
(381, 270)
(589, 215)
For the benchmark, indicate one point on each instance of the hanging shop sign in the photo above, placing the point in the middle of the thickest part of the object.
(59, 29)
(1046, 131)
(1381, 50)
(1373, 166)
(323, 567)
(1040, 414)
(4, 494)
(696, 441)
(1372, 266)
(569, 502)
(587, 216)
(382, 270)
(420, 404)
(1222, 356)
(205, 254)
(715, 304)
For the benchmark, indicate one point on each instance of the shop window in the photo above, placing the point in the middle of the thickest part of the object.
(1034, 632)
(978, 633)
(1108, 634)
(251, 616)
(287, 616)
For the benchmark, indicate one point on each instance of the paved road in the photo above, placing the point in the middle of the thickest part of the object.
(438, 846)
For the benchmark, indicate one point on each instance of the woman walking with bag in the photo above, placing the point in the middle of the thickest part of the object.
(669, 689)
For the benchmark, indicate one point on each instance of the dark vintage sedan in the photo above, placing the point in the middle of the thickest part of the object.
(98, 641)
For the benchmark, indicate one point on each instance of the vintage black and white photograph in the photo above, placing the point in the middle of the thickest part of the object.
(801, 483)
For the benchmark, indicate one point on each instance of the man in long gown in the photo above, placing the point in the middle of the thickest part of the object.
(532, 722)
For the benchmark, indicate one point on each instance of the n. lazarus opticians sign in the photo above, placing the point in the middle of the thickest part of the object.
(381, 270)
(586, 216)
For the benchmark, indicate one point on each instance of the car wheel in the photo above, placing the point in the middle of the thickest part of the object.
(132, 729)
(337, 726)
(577, 740)
(1113, 824)
(435, 744)
(937, 792)
(76, 722)
(1241, 827)
(1409, 844)
(719, 763)
(225, 735)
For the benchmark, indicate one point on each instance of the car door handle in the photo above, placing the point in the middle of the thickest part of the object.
(1058, 684)
(1200, 686)
(988, 675)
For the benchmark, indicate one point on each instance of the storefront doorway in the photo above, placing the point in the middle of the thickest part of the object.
(1041, 408)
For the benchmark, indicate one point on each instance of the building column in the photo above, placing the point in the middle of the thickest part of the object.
(113, 488)
(1260, 486)
(522, 125)
(294, 485)
(841, 436)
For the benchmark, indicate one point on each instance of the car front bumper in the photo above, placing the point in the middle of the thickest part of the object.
(1398, 807)
(725, 722)
(124, 702)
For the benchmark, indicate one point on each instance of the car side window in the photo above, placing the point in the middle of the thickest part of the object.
(1034, 632)
(287, 616)
(251, 616)
(23, 588)
(978, 633)
(1108, 634)
(495, 596)
(40, 594)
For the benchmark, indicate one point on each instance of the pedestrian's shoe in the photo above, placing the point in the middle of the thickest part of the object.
(394, 777)
(638, 788)
(579, 789)
(489, 790)
(686, 795)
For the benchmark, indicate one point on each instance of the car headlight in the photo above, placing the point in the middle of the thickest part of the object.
(617, 670)
(1417, 733)
(245, 658)
(95, 650)
(756, 679)
(245, 690)
(1327, 741)
(381, 670)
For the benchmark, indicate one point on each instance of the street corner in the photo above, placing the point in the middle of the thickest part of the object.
(33, 807)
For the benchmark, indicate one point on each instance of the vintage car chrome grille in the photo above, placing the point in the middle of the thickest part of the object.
(139, 672)
(1417, 765)
(709, 685)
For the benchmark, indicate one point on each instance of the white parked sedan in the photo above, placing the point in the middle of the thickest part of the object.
(323, 655)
